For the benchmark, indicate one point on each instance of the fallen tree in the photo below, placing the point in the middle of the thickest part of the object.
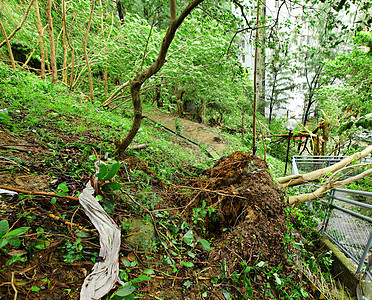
(293, 180)
(337, 179)
(330, 184)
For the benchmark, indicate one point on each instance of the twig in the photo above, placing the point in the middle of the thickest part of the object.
(13, 286)
(37, 193)
(192, 201)
(205, 190)
(13, 162)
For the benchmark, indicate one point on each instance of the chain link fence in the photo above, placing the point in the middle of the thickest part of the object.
(344, 216)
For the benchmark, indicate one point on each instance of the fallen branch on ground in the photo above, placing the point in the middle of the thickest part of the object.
(37, 193)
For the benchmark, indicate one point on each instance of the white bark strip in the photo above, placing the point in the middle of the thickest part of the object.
(104, 274)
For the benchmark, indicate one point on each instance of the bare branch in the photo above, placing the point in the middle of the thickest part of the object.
(293, 180)
(326, 187)
(20, 24)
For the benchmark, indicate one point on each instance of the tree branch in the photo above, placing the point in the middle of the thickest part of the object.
(173, 10)
(293, 180)
(327, 186)
(20, 24)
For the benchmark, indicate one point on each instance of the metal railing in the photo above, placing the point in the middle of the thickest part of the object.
(306, 164)
(345, 221)
(348, 224)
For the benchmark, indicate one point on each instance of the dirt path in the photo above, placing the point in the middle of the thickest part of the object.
(196, 133)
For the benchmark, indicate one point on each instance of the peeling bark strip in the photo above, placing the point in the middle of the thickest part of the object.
(141, 77)
(293, 180)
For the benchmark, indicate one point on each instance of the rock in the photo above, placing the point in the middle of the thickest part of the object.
(140, 234)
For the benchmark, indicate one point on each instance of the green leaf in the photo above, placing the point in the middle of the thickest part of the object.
(261, 264)
(143, 277)
(112, 186)
(3, 242)
(112, 172)
(205, 244)
(17, 232)
(125, 290)
(62, 187)
(41, 245)
(35, 289)
(4, 227)
(277, 279)
(187, 283)
(149, 271)
(15, 242)
(102, 171)
(188, 238)
(53, 200)
(226, 294)
(187, 264)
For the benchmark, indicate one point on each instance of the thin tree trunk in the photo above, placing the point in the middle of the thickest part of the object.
(20, 24)
(325, 137)
(120, 11)
(46, 60)
(255, 75)
(243, 125)
(28, 58)
(86, 54)
(141, 77)
(103, 34)
(65, 51)
(41, 39)
(72, 74)
(53, 61)
(8, 44)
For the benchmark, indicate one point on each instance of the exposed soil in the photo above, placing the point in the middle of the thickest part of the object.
(234, 205)
(195, 132)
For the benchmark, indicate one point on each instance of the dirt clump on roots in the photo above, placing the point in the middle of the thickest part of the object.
(248, 227)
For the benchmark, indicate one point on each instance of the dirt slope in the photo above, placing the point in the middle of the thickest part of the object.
(196, 132)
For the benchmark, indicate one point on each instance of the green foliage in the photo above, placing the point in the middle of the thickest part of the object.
(73, 251)
(11, 238)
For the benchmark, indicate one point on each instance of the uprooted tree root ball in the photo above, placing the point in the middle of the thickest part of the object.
(248, 223)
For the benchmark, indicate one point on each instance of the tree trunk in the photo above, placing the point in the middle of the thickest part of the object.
(72, 72)
(20, 24)
(325, 138)
(135, 87)
(142, 76)
(8, 44)
(86, 54)
(41, 39)
(65, 52)
(120, 11)
(53, 61)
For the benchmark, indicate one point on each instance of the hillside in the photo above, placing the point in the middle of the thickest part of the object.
(212, 232)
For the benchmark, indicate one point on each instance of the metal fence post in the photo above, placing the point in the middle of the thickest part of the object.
(365, 253)
(367, 268)
(328, 212)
